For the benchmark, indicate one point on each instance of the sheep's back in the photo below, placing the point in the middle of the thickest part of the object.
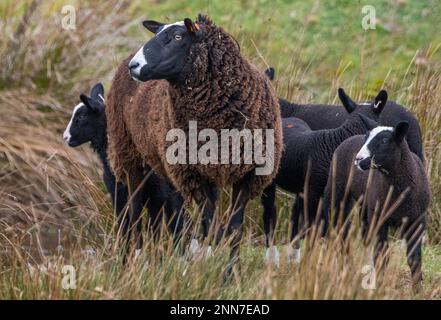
(317, 116)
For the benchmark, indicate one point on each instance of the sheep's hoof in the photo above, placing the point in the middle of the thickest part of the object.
(294, 255)
(272, 256)
(197, 252)
(194, 247)
(137, 254)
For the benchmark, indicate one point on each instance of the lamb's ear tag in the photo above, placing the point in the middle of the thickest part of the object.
(377, 104)
(380, 101)
(190, 26)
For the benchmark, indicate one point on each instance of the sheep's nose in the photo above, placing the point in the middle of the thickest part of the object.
(133, 65)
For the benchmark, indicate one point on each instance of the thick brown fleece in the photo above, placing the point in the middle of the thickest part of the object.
(218, 88)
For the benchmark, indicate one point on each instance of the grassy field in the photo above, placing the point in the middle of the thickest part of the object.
(54, 210)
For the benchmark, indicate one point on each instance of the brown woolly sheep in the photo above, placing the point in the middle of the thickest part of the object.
(194, 71)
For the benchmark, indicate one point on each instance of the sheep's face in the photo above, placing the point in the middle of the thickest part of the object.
(88, 119)
(370, 109)
(382, 148)
(164, 56)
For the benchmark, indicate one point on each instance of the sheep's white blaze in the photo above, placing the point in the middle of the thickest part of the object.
(66, 134)
(179, 23)
(364, 151)
(140, 60)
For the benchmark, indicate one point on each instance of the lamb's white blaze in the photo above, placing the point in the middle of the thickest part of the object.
(364, 151)
(140, 57)
(66, 134)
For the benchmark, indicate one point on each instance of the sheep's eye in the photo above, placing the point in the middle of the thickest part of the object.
(384, 140)
(178, 37)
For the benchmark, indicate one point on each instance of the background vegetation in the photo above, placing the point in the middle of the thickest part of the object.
(54, 209)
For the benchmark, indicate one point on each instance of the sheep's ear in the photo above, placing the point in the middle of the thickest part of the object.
(368, 123)
(92, 104)
(270, 73)
(380, 101)
(347, 102)
(152, 26)
(401, 131)
(97, 92)
(192, 27)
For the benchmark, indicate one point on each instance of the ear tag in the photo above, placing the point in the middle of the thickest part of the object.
(377, 104)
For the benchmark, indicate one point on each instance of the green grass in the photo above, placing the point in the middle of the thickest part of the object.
(315, 46)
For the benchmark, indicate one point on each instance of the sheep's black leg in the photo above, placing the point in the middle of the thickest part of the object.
(414, 237)
(296, 212)
(119, 197)
(118, 192)
(155, 205)
(136, 203)
(268, 199)
(206, 199)
(135, 220)
(345, 221)
(365, 224)
(175, 216)
(316, 218)
(239, 201)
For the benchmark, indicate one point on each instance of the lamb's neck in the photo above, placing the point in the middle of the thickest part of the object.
(401, 174)
(332, 138)
(100, 148)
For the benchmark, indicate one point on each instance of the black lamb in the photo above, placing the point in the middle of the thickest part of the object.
(399, 194)
(322, 116)
(305, 161)
(88, 124)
